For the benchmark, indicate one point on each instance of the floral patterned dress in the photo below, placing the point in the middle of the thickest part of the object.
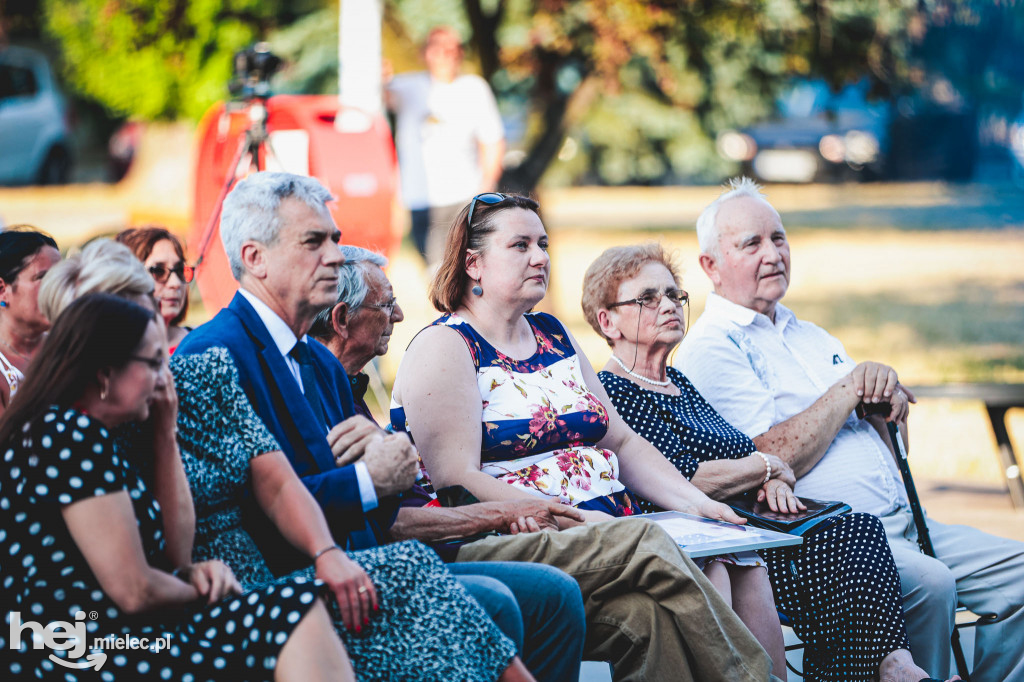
(541, 424)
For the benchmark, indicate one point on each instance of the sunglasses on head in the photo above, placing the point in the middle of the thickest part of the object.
(489, 198)
(162, 273)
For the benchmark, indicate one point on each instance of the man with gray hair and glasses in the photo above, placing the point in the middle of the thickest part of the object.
(792, 387)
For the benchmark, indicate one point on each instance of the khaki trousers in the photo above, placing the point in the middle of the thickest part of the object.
(650, 610)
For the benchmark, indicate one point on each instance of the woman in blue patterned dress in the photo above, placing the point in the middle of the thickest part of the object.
(852, 622)
(502, 402)
(426, 627)
(89, 546)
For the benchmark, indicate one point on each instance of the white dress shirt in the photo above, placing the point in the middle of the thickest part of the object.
(757, 374)
(284, 338)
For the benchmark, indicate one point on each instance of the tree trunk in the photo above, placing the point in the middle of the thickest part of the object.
(485, 29)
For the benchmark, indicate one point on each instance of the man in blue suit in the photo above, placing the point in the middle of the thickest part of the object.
(283, 249)
(286, 261)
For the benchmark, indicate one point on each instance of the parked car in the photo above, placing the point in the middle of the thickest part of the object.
(817, 134)
(35, 134)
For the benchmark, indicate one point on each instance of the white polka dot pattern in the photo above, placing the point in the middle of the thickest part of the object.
(46, 575)
(839, 589)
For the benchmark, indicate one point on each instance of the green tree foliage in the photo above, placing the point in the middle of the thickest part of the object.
(600, 90)
(647, 84)
(158, 59)
(644, 86)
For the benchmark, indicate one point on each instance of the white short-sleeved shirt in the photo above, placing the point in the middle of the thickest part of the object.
(438, 127)
(758, 374)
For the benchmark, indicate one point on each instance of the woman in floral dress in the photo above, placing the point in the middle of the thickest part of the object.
(426, 627)
(502, 402)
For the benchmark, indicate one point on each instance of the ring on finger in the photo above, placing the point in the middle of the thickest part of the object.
(363, 589)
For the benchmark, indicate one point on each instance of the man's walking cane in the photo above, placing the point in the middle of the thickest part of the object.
(924, 539)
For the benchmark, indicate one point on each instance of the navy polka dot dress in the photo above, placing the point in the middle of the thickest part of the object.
(839, 589)
(65, 457)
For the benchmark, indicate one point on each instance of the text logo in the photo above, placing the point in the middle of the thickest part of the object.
(59, 635)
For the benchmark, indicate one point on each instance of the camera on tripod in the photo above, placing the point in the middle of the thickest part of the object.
(253, 68)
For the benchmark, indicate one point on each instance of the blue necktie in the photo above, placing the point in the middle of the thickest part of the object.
(305, 359)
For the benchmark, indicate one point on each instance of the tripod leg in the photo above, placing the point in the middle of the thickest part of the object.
(229, 182)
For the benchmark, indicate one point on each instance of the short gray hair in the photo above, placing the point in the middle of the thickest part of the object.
(103, 266)
(707, 222)
(250, 210)
(352, 287)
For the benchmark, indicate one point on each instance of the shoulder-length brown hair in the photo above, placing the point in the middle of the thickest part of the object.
(141, 241)
(449, 285)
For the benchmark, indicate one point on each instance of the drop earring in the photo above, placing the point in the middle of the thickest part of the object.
(477, 290)
(103, 391)
(3, 304)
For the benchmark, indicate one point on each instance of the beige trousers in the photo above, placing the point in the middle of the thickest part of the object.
(650, 610)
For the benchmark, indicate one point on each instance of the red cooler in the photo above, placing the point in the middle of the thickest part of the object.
(355, 160)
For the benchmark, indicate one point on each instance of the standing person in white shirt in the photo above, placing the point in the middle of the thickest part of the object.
(450, 139)
(791, 386)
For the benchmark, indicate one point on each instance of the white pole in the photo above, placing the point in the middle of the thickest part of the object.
(359, 55)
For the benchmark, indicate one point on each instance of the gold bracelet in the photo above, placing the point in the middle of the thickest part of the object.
(767, 466)
(325, 550)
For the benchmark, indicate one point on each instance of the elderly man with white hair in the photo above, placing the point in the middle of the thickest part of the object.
(791, 386)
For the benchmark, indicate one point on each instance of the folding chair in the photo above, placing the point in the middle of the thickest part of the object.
(965, 618)
(792, 643)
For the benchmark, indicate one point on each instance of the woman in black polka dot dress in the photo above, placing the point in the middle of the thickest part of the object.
(839, 589)
(86, 546)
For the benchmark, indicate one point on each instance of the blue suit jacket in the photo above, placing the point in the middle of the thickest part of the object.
(277, 399)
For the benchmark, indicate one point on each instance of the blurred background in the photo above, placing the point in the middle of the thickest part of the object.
(890, 136)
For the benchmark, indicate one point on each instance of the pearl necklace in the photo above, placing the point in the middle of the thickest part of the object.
(641, 377)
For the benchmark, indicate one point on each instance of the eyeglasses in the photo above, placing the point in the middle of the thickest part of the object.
(489, 198)
(653, 299)
(155, 364)
(387, 306)
(162, 273)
